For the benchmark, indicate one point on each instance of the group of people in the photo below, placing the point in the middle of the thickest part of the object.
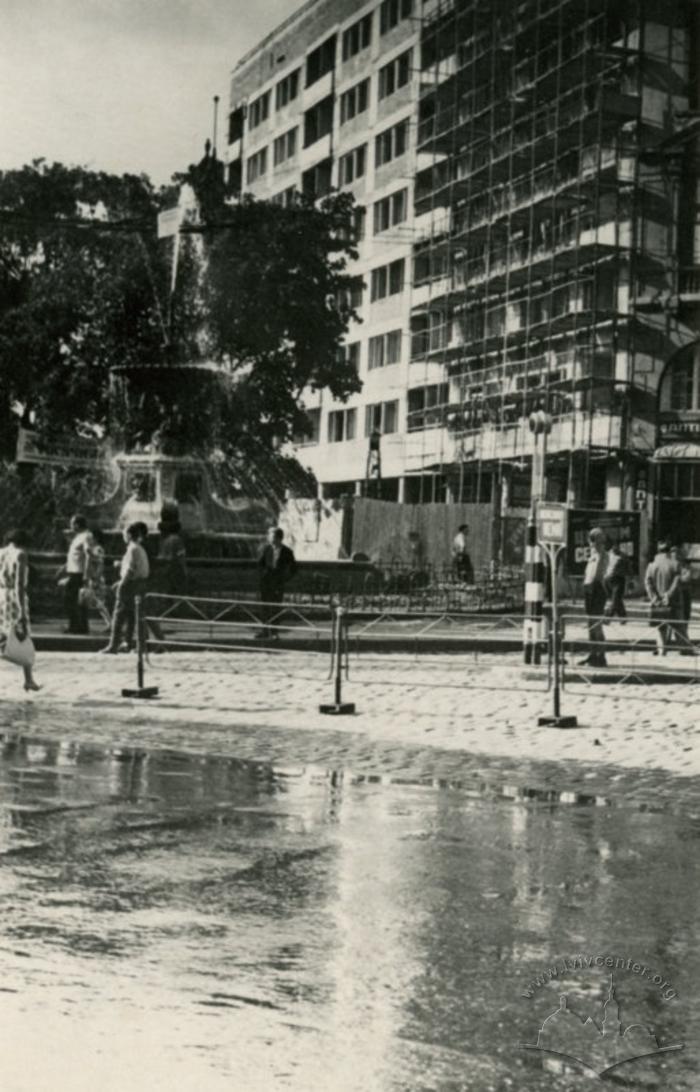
(667, 583)
(85, 583)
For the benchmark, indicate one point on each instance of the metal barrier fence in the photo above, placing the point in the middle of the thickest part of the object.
(661, 656)
(489, 648)
(455, 651)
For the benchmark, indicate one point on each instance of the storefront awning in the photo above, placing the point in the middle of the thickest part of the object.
(673, 453)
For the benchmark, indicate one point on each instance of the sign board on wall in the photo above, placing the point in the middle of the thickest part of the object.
(623, 529)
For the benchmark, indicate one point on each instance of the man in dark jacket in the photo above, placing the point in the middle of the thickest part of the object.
(276, 565)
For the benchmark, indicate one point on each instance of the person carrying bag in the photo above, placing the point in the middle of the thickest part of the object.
(16, 645)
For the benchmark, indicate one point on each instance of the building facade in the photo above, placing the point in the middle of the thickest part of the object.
(528, 175)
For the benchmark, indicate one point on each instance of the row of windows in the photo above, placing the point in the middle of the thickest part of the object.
(390, 211)
(256, 165)
(380, 417)
(359, 35)
(353, 165)
(387, 280)
(354, 101)
(285, 146)
(387, 212)
(393, 76)
(384, 349)
(425, 409)
(322, 60)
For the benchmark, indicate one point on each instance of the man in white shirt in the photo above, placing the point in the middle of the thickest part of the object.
(462, 563)
(133, 575)
(75, 575)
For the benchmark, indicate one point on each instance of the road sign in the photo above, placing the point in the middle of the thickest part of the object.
(552, 524)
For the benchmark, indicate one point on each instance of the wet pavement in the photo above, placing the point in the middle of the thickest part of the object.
(294, 920)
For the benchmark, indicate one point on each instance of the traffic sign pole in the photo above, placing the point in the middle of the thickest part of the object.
(552, 534)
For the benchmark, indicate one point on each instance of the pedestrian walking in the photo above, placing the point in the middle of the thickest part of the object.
(134, 573)
(94, 593)
(74, 575)
(172, 552)
(685, 602)
(595, 595)
(277, 565)
(662, 583)
(615, 581)
(461, 561)
(15, 634)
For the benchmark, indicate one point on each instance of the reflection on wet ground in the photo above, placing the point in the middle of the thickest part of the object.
(181, 921)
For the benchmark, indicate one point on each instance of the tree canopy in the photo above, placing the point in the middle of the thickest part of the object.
(89, 338)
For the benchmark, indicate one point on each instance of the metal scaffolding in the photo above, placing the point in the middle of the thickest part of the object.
(546, 208)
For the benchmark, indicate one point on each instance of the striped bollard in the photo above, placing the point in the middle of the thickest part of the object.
(534, 633)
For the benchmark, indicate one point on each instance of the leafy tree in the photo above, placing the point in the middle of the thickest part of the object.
(76, 297)
(88, 337)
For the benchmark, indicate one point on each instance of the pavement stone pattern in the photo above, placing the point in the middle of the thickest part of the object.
(479, 704)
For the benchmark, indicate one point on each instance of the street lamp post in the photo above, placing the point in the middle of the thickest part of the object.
(534, 626)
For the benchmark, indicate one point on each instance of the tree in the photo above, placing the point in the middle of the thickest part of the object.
(89, 339)
(76, 290)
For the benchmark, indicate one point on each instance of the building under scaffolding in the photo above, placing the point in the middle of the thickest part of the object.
(529, 172)
(554, 201)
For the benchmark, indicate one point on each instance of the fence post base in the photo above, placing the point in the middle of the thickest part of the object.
(338, 709)
(557, 722)
(140, 692)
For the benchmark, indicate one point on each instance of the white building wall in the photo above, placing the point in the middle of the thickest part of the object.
(346, 461)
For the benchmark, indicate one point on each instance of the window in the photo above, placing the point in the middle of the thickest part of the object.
(394, 75)
(352, 165)
(235, 125)
(259, 111)
(390, 211)
(426, 405)
(392, 12)
(311, 434)
(287, 90)
(319, 62)
(316, 182)
(354, 101)
(384, 349)
(357, 37)
(318, 121)
(381, 417)
(256, 165)
(235, 175)
(285, 146)
(351, 296)
(391, 143)
(429, 333)
(350, 355)
(387, 280)
(285, 198)
(342, 425)
(681, 377)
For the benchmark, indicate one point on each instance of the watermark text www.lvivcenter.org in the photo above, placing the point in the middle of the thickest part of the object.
(567, 966)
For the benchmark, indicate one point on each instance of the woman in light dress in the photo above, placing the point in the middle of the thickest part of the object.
(14, 605)
(95, 589)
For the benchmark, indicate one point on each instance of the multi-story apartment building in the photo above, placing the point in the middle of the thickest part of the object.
(529, 178)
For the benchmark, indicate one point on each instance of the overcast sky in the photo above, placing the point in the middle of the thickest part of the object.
(121, 85)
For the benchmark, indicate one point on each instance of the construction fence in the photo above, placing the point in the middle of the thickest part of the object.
(350, 648)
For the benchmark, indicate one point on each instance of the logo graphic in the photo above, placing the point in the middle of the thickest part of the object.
(600, 1046)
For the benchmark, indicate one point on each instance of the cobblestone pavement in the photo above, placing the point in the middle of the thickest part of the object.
(415, 717)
